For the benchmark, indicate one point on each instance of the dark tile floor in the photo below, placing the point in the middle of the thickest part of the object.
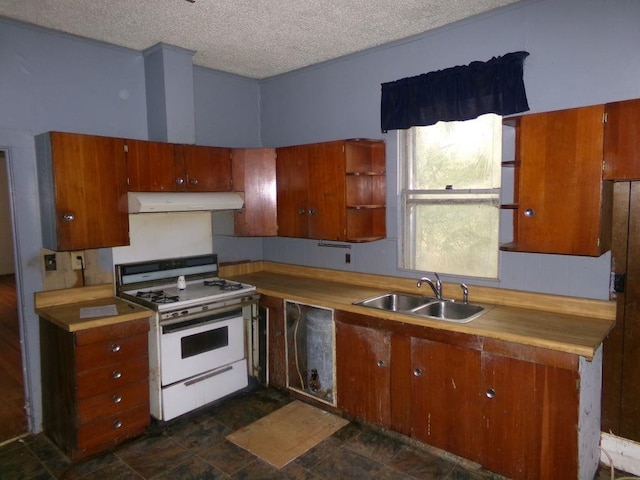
(194, 447)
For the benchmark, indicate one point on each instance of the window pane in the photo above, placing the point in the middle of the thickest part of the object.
(455, 238)
(460, 154)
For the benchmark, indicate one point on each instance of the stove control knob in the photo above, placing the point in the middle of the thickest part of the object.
(205, 307)
(175, 314)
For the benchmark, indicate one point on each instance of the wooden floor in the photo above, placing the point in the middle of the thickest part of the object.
(13, 420)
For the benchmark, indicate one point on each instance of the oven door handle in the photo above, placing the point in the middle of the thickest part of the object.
(218, 371)
(209, 318)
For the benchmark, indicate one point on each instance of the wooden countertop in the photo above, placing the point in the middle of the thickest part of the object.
(574, 334)
(63, 307)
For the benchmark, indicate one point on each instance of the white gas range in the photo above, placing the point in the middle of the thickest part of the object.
(197, 340)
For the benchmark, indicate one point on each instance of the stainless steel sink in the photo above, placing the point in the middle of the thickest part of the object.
(425, 307)
(396, 302)
(450, 311)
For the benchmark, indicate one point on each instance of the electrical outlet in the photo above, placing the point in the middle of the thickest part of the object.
(50, 262)
(77, 261)
(347, 258)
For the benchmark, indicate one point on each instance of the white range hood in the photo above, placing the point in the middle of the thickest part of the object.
(161, 202)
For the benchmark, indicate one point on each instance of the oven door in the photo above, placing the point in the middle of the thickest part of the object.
(195, 345)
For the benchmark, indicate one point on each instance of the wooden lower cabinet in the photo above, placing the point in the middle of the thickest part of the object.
(276, 349)
(363, 374)
(512, 409)
(95, 385)
(530, 418)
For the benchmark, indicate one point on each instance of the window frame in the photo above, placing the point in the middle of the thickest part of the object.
(407, 241)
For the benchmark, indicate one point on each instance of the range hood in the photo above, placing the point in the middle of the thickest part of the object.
(159, 202)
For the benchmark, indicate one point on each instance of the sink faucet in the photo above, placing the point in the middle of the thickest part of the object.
(436, 287)
(465, 293)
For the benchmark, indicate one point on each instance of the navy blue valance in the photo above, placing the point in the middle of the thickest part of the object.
(456, 93)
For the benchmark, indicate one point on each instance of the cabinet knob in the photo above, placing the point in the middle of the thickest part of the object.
(117, 398)
(68, 217)
(417, 372)
(312, 211)
(491, 393)
(301, 211)
(380, 363)
(529, 213)
(117, 424)
(193, 181)
(115, 348)
(179, 180)
(116, 374)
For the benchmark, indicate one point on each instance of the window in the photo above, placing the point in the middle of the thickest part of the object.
(450, 188)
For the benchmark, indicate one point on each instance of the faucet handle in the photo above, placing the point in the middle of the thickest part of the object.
(465, 293)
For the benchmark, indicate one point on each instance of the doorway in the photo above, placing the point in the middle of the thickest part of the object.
(621, 361)
(13, 418)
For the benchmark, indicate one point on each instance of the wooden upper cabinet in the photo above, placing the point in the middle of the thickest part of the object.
(332, 190)
(150, 166)
(292, 180)
(204, 169)
(83, 191)
(564, 207)
(254, 177)
(622, 141)
(165, 167)
(326, 187)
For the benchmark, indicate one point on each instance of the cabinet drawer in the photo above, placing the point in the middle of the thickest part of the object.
(110, 377)
(112, 430)
(113, 402)
(109, 352)
(111, 332)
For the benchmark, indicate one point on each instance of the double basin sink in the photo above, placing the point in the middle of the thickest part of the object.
(425, 307)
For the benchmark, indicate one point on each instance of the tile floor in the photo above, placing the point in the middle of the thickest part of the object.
(194, 447)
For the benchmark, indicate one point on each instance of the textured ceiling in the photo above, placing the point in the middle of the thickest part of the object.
(253, 38)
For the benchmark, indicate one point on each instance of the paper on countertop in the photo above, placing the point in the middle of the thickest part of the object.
(104, 311)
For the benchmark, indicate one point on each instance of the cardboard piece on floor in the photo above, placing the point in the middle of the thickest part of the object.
(287, 433)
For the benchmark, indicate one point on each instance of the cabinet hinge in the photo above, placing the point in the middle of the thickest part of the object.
(603, 163)
(605, 117)
(343, 150)
(126, 148)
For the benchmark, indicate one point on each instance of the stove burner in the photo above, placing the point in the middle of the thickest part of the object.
(165, 299)
(223, 284)
(149, 293)
(157, 296)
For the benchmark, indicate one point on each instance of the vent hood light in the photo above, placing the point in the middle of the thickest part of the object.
(159, 202)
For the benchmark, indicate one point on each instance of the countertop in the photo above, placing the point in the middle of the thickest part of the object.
(63, 307)
(579, 335)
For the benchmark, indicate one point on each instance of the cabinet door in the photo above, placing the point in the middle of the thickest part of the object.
(292, 178)
(622, 141)
(254, 177)
(151, 167)
(327, 204)
(276, 355)
(530, 419)
(446, 407)
(90, 189)
(561, 190)
(363, 360)
(205, 169)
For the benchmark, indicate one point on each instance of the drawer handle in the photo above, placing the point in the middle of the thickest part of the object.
(116, 374)
(380, 363)
(117, 424)
(115, 348)
(117, 398)
(491, 393)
